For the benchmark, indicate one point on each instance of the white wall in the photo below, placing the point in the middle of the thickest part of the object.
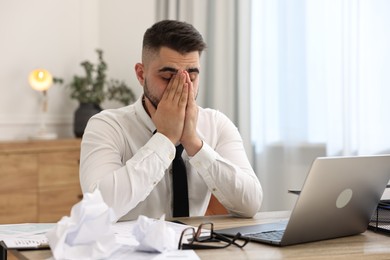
(58, 35)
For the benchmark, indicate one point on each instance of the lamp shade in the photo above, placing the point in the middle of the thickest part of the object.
(40, 79)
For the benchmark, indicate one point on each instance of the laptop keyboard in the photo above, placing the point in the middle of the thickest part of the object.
(271, 235)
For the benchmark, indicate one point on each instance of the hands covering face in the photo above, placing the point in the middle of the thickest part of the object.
(177, 113)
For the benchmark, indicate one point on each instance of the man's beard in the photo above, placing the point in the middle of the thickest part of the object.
(153, 100)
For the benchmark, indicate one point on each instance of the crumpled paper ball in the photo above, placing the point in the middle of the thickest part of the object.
(87, 233)
(154, 235)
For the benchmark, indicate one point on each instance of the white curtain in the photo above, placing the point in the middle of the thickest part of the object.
(319, 87)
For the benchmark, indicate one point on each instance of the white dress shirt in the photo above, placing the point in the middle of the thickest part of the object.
(132, 167)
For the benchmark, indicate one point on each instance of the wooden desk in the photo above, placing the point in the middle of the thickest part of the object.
(368, 245)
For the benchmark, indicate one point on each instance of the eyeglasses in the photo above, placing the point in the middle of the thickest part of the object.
(196, 239)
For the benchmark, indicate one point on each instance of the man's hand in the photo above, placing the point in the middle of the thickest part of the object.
(176, 115)
(189, 139)
(171, 111)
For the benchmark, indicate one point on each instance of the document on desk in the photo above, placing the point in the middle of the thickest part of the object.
(27, 235)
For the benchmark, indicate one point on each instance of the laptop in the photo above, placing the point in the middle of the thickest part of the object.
(338, 198)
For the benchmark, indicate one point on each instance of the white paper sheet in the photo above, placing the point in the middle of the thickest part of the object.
(26, 235)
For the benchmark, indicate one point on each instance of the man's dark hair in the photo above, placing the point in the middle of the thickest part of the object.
(179, 36)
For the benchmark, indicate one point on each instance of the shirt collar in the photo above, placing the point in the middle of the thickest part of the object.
(143, 115)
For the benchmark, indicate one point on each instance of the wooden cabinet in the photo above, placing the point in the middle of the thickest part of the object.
(39, 180)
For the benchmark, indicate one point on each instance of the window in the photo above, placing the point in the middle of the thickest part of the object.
(319, 86)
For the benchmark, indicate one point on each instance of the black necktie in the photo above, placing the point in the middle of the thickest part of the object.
(180, 189)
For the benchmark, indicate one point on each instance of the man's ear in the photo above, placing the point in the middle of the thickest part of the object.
(140, 72)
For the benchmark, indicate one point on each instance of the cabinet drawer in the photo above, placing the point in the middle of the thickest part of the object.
(57, 201)
(18, 188)
(59, 168)
(18, 172)
(18, 207)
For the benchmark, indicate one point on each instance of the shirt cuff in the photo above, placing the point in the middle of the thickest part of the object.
(203, 159)
(163, 147)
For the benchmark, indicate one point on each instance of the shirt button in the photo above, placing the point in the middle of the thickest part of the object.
(170, 171)
(214, 189)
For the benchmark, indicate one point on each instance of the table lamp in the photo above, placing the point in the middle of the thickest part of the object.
(41, 80)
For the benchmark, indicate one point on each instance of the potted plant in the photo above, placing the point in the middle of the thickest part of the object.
(92, 89)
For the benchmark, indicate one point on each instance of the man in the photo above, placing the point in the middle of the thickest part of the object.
(127, 153)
